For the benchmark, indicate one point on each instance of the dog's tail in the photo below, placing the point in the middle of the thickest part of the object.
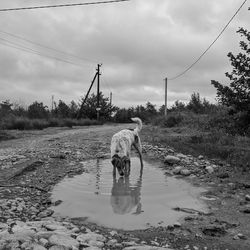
(138, 122)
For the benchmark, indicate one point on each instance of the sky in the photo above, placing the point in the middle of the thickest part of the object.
(55, 51)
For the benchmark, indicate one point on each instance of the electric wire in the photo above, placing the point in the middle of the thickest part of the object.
(61, 5)
(46, 47)
(198, 59)
(32, 51)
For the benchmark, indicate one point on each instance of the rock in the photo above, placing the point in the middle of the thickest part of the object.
(169, 159)
(245, 209)
(91, 239)
(223, 175)
(59, 248)
(241, 236)
(177, 224)
(200, 157)
(247, 197)
(55, 227)
(44, 242)
(177, 170)
(144, 247)
(185, 172)
(213, 230)
(34, 246)
(181, 156)
(111, 242)
(63, 240)
(45, 213)
(209, 169)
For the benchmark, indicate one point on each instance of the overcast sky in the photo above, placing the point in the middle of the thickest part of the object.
(139, 43)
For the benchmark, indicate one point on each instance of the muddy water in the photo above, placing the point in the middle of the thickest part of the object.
(126, 203)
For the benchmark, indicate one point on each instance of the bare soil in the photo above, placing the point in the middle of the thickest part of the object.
(33, 162)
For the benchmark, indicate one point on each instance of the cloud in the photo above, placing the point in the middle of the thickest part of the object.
(139, 43)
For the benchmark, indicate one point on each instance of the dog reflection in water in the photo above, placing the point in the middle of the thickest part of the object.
(125, 197)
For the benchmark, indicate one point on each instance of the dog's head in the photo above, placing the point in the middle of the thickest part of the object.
(121, 163)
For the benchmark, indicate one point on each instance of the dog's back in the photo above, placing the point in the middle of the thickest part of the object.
(122, 141)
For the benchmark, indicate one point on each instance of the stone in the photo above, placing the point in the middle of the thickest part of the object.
(247, 197)
(213, 230)
(177, 170)
(145, 247)
(63, 240)
(223, 175)
(245, 209)
(55, 227)
(200, 157)
(111, 242)
(45, 213)
(185, 172)
(91, 236)
(43, 242)
(59, 248)
(170, 159)
(209, 169)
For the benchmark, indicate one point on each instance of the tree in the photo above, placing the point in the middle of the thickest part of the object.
(5, 108)
(73, 109)
(62, 110)
(150, 109)
(38, 110)
(89, 109)
(237, 94)
(195, 103)
(178, 106)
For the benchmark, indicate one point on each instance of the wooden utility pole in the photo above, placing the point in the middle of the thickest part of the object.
(98, 91)
(166, 96)
(110, 99)
(52, 103)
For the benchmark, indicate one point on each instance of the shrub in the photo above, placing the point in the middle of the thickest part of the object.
(173, 120)
(39, 124)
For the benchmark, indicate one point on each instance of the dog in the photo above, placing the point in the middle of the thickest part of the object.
(121, 144)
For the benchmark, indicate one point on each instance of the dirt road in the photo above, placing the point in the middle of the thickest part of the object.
(34, 162)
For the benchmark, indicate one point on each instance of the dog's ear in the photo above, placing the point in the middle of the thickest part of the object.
(115, 159)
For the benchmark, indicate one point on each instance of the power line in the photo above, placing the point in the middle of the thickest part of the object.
(46, 47)
(32, 51)
(62, 5)
(198, 59)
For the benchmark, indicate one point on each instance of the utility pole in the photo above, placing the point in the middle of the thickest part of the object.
(110, 99)
(52, 103)
(98, 91)
(110, 103)
(166, 96)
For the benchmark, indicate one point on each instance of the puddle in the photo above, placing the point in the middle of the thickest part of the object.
(126, 203)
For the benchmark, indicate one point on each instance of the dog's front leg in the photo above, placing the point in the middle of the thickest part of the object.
(114, 171)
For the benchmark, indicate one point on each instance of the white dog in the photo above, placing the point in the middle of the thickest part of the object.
(121, 145)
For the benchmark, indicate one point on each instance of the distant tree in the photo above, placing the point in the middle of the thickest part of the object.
(237, 94)
(195, 103)
(5, 108)
(89, 109)
(74, 108)
(150, 109)
(122, 115)
(178, 106)
(62, 110)
(37, 110)
(19, 110)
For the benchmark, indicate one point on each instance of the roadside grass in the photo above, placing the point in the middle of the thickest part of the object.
(196, 135)
(23, 123)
